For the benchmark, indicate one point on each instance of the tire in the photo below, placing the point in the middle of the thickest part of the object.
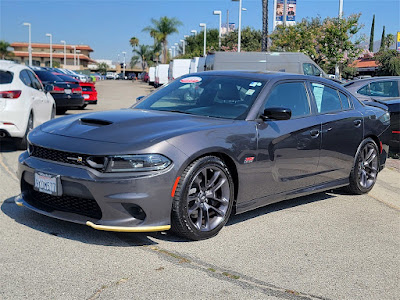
(365, 170)
(22, 143)
(203, 199)
(60, 111)
(53, 113)
(83, 106)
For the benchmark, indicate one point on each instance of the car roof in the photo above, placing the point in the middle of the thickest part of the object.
(13, 67)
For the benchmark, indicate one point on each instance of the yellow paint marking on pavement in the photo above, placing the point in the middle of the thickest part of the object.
(6, 168)
(386, 203)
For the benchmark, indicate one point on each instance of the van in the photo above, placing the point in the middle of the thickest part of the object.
(161, 75)
(290, 62)
(152, 75)
(178, 68)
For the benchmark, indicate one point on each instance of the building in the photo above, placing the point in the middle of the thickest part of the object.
(366, 65)
(77, 56)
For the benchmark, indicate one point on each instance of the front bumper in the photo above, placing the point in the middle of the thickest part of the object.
(101, 202)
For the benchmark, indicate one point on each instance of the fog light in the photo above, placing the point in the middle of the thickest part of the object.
(135, 210)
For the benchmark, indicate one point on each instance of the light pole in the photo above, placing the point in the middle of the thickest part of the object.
(183, 46)
(218, 12)
(173, 51)
(337, 72)
(240, 24)
(124, 53)
(51, 48)
(194, 31)
(79, 61)
(30, 43)
(205, 37)
(74, 55)
(177, 48)
(65, 52)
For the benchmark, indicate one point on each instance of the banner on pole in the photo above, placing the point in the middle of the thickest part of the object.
(290, 12)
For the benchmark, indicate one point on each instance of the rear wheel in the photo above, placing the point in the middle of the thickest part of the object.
(22, 143)
(61, 111)
(203, 199)
(365, 170)
(53, 113)
(83, 106)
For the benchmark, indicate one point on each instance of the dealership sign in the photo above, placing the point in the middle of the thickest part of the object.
(279, 14)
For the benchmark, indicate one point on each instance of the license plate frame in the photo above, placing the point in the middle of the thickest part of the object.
(68, 91)
(47, 183)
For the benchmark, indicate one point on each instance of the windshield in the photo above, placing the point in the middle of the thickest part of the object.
(206, 95)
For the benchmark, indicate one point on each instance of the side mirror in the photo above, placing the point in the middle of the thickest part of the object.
(139, 98)
(48, 88)
(277, 113)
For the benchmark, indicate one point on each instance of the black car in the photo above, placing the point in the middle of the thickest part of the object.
(207, 144)
(381, 92)
(67, 95)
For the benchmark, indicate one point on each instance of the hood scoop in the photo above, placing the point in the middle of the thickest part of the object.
(94, 122)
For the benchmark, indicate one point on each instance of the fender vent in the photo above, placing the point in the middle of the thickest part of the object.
(96, 122)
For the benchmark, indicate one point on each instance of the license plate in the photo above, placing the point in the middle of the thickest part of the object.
(86, 96)
(67, 91)
(47, 183)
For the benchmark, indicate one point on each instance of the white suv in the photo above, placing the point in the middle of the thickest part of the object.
(24, 103)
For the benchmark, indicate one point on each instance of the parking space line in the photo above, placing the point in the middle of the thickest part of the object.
(5, 167)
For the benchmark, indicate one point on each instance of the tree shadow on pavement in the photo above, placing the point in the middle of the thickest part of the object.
(71, 231)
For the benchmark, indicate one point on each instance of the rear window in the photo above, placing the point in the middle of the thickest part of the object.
(47, 76)
(67, 78)
(6, 77)
(86, 88)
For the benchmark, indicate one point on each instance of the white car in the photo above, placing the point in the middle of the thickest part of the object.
(24, 103)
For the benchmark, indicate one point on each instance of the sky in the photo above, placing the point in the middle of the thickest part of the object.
(107, 25)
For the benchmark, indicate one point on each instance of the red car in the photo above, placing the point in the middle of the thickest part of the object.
(146, 77)
(89, 92)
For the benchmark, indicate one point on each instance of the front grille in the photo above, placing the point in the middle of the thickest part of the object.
(59, 156)
(49, 203)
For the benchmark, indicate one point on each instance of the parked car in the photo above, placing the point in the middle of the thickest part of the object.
(146, 77)
(290, 62)
(67, 95)
(111, 75)
(24, 103)
(161, 75)
(243, 140)
(178, 68)
(381, 91)
(152, 75)
(197, 64)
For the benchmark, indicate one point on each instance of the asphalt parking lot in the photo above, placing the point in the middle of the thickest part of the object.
(325, 246)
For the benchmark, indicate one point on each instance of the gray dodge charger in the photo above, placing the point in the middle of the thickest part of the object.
(185, 157)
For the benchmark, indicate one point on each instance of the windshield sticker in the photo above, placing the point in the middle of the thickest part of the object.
(255, 83)
(250, 92)
(192, 79)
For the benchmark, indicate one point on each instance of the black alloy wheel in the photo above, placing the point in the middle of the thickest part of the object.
(203, 199)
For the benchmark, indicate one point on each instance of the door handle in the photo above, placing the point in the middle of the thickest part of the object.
(314, 133)
(357, 123)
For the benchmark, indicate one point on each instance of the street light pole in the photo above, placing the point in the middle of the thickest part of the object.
(337, 71)
(194, 31)
(240, 24)
(30, 43)
(65, 52)
(51, 48)
(183, 46)
(218, 12)
(74, 55)
(124, 53)
(205, 38)
(79, 56)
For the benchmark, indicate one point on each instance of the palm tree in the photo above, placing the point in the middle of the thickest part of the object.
(143, 55)
(264, 43)
(134, 41)
(4, 52)
(161, 29)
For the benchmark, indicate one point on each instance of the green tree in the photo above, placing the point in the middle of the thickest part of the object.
(382, 47)
(371, 36)
(389, 40)
(134, 41)
(195, 43)
(264, 43)
(251, 40)
(161, 29)
(143, 54)
(389, 62)
(56, 64)
(4, 52)
(102, 68)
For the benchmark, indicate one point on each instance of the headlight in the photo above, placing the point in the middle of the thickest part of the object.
(137, 163)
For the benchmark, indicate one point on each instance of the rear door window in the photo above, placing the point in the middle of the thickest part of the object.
(6, 77)
(290, 95)
(326, 98)
(35, 82)
(24, 76)
(384, 89)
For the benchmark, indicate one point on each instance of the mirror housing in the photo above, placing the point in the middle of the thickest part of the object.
(48, 88)
(139, 98)
(276, 113)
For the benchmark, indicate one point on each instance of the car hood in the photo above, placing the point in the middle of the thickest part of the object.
(130, 126)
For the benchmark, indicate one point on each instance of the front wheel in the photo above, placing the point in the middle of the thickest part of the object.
(365, 170)
(203, 199)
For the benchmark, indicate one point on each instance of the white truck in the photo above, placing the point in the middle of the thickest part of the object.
(197, 64)
(161, 75)
(177, 68)
(152, 75)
